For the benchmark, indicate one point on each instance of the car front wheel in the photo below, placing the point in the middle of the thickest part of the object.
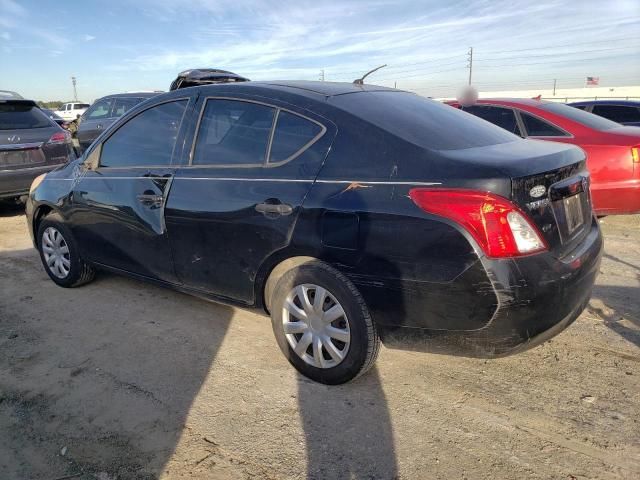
(322, 324)
(59, 254)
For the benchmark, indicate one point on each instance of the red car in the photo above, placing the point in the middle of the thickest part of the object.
(613, 150)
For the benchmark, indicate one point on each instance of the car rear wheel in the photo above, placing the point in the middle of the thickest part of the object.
(59, 254)
(322, 324)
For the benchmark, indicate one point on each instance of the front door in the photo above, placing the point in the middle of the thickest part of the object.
(237, 200)
(119, 206)
(93, 122)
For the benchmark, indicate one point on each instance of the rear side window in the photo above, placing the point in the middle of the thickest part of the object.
(618, 113)
(422, 121)
(580, 116)
(123, 105)
(580, 107)
(292, 135)
(99, 110)
(20, 117)
(502, 117)
(233, 133)
(539, 128)
(148, 139)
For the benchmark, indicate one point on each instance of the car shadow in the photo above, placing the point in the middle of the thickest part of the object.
(618, 307)
(112, 385)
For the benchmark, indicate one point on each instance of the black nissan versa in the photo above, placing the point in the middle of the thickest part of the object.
(353, 214)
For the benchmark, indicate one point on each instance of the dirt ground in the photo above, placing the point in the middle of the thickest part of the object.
(123, 380)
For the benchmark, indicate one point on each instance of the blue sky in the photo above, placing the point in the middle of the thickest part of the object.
(114, 46)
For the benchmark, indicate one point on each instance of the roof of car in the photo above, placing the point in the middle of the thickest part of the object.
(132, 94)
(304, 88)
(628, 103)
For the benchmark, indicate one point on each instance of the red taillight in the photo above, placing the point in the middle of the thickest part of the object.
(500, 228)
(60, 137)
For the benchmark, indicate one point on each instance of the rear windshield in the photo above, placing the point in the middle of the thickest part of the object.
(580, 116)
(81, 105)
(423, 122)
(17, 117)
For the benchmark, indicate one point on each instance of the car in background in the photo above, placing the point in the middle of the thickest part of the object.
(7, 94)
(354, 214)
(71, 111)
(54, 116)
(104, 112)
(204, 76)
(30, 144)
(625, 112)
(613, 155)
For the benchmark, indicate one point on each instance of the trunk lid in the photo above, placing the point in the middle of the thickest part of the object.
(549, 181)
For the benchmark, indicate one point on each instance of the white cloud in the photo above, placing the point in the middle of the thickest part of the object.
(88, 38)
(5, 36)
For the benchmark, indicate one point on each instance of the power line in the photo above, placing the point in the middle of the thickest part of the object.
(560, 54)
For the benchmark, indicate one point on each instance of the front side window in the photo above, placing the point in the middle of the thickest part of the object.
(233, 133)
(502, 117)
(539, 128)
(148, 139)
(618, 113)
(99, 110)
(292, 134)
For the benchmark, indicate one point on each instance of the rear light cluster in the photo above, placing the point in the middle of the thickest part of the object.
(59, 138)
(500, 228)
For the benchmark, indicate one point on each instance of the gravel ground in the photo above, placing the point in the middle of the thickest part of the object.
(123, 380)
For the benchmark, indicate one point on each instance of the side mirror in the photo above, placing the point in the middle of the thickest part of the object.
(92, 161)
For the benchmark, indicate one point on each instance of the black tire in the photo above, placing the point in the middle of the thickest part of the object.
(364, 343)
(79, 271)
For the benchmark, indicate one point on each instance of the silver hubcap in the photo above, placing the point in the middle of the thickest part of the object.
(316, 326)
(56, 252)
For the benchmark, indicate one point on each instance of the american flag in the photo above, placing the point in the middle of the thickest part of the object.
(593, 81)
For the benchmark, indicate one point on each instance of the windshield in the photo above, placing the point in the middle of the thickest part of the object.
(580, 116)
(16, 117)
(422, 121)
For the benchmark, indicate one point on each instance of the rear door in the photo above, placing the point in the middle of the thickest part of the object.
(94, 121)
(118, 207)
(236, 201)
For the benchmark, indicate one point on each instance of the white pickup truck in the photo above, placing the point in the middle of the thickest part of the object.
(71, 111)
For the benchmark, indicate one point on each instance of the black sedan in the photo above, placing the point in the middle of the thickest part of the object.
(352, 214)
(30, 143)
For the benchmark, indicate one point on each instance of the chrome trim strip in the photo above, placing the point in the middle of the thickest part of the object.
(21, 146)
(281, 180)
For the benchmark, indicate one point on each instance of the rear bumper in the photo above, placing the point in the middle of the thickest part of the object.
(14, 183)
(537, 298)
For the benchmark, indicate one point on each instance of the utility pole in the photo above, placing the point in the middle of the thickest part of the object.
(322, 75)
(395, 84)
(554, 86)
(470, 65)
(75, 92)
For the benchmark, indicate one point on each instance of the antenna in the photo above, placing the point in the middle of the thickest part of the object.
(360, 81)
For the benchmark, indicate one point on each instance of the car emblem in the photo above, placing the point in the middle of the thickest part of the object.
(537, 191)
(14, 138)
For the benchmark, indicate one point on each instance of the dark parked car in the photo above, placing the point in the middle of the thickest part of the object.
(204, 76)
(8, 94)
(351, 213)
(54, 116)
(104, 112)
(626, 112)
(30, 144)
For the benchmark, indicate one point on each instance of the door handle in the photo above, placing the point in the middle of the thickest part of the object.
(151, 200)
(274, 209)
(99, 126)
